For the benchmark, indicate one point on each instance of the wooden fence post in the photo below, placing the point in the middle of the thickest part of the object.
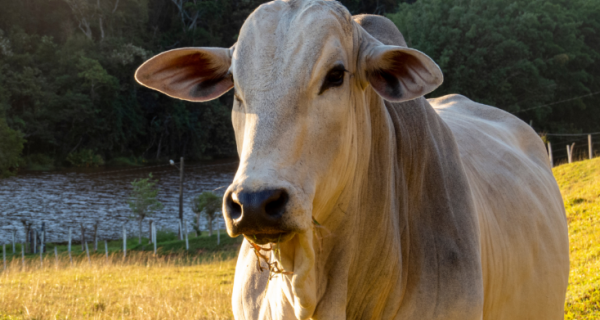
(56, 256)
(87, 252)
(41, 256)
(82, 236)
(180, 229)
(550, 155)
(570, 152)
(154, 237)
(43, 238)
(124, 242)
(187, 244)
(34, 240)
(69, 247)
(590, 146)
(150, 231)
(96, 237)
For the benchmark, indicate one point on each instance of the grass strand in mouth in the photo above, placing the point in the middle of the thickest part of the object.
(273, 267)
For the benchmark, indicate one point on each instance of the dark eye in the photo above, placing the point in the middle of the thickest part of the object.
(334, 78)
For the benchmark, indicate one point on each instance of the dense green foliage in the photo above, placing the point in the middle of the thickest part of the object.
(518, 55)
(11, 144)
(142, 200)
(207, 203)
(67, 87)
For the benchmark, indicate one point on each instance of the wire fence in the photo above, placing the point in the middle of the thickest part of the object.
(570, 147)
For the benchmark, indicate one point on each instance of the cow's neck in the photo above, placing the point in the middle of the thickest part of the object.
(364, 257)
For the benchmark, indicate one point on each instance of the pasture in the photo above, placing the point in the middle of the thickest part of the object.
(176, 285)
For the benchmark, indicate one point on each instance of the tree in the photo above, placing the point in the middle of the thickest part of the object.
(11, 145)
(518, 55)
(142, 200)
(209, 204)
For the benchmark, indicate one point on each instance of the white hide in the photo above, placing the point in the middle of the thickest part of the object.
(440, 209)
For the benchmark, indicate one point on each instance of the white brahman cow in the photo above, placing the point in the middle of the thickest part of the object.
(378, 203)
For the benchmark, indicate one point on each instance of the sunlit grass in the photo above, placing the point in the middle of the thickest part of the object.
(580, 186)
(141, 286)
(198, 286)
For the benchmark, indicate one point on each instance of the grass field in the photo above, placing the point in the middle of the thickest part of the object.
(197, 285)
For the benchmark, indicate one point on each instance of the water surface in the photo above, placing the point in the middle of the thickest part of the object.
(69, 197)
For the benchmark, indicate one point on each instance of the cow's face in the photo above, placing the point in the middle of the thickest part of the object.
(300, 71)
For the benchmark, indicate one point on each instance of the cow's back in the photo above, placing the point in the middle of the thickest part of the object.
(525, 251)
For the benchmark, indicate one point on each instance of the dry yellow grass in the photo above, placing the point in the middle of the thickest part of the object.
(141, 287)
(175, 287)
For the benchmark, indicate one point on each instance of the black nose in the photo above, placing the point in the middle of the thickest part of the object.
(256, 212)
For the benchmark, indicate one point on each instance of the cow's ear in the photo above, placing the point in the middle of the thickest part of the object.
(193, 74)
(400, 73)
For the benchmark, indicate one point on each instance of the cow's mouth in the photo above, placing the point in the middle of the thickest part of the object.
(266, 238)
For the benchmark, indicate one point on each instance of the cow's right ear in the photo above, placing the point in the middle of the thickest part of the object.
(193, 74)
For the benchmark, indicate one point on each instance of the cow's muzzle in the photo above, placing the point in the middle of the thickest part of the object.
(258, 215)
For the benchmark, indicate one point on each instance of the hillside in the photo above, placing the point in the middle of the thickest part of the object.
(579, 183)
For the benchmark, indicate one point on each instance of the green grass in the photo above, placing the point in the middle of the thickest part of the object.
(579, 183)
(167, 244)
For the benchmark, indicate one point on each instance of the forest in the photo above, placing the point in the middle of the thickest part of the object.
(68, 97)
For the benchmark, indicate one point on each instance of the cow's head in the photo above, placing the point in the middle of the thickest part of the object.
(301, 72)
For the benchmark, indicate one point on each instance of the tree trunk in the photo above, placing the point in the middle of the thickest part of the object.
(198, 224)
(210, 225)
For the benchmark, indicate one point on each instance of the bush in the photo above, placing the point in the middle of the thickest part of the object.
(84, 158)
(11, 145)
(39, 162)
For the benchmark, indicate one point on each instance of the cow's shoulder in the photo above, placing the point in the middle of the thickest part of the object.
(381, 28)
(476, 124)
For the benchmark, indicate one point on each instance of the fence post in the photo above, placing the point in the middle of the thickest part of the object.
(56, 256)
(124, 242)
(154, 237)
(187, 244)
(180, 230)
(590, 145)
(69, 247)
(43, 238)
(41, 256)
(570, 152)
(218, 231)
(96, 237)
(87, 252)
(23, 255)
(82, 236)
(180, 195)
(150, 231)
(550, 155)
(34, 241)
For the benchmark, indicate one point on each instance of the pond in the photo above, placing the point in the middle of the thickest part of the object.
(70, 197)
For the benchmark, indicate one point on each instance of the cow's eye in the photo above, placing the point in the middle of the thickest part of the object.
(334, 78)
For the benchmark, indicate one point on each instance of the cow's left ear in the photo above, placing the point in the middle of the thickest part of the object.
(399, 73)
(193, 74)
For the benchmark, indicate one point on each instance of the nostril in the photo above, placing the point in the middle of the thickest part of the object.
(235, 210)
(275, 205)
